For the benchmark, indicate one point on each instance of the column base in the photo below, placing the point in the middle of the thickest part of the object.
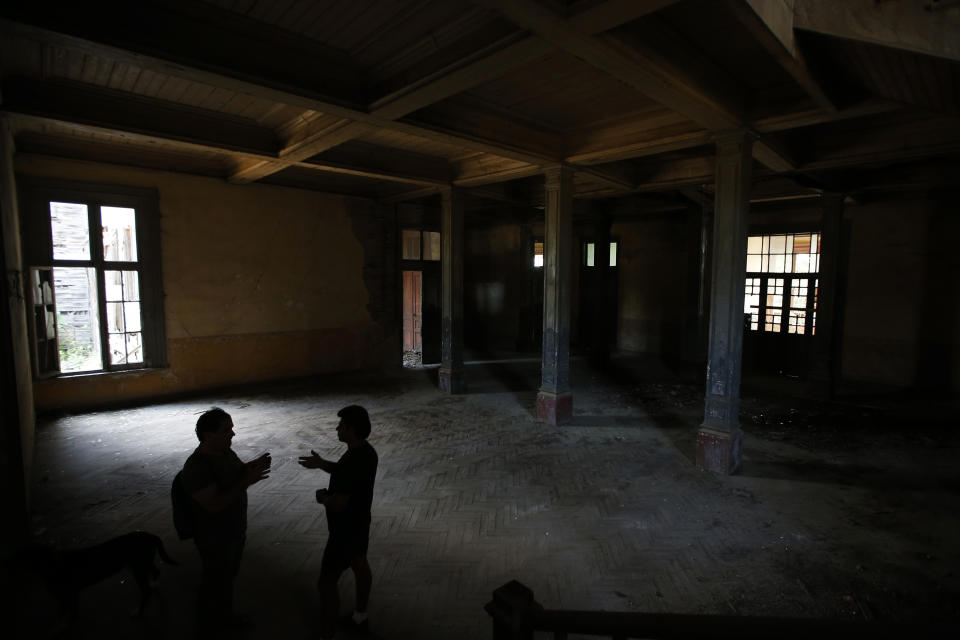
(554, 408)
(719, 451)
(452, 380)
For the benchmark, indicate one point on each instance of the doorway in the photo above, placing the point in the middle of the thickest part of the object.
(412, 318)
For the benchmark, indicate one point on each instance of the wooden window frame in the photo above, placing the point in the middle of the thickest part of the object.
(35, 196)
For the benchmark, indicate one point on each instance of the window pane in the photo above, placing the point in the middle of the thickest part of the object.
(131, 285)
(778, 244)
(753, 263)
(613, 254)
(78, 318)
(131, 316)
(590, 254)
(754, 244)
(118, 348)
(119, 226)
(776, 263)
(537, 254)
(411, 244)
(115, 317)
(431, 245)
(122, 286)
(70, 231)
(134, 348)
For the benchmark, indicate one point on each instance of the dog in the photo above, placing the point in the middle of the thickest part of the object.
(65, 572)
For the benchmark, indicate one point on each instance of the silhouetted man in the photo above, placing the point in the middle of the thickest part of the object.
(217, 481)
(347, 501)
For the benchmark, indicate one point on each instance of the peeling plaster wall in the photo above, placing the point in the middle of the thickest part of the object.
(260, 282)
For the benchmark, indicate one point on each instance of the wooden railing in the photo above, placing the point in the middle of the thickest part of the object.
(516, 616)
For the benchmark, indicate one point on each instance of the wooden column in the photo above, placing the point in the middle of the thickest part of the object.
(17, 418)
(555, 401)
(821, 377)
(452, 378)
(719, 439)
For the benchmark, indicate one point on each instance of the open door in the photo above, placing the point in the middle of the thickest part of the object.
(412, 318)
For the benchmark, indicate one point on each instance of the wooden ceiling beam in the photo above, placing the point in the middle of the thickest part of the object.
(668, 91)
(773, 155)
(463, 75)
(105, 108)
(886, 143)
(771, 25)
(898, 25)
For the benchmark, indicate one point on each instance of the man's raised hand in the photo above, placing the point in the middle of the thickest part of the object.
(312, 461)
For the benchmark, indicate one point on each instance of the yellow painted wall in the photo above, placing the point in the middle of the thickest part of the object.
(261, 283)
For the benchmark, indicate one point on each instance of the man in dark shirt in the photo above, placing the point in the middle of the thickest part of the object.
(217, 481)
(347, 501)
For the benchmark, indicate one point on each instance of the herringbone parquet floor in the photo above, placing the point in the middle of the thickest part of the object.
(606, 513)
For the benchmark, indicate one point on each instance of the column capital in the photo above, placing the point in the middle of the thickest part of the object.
(732, 138)
(555, 174)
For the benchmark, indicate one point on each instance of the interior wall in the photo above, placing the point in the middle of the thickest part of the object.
(901, 325)
(261, 282)
(654, 262)
(495, 289)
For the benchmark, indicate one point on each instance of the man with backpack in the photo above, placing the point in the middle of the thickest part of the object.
(216, 480)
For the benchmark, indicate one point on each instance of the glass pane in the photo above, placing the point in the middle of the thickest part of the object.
(772, 321)
(801, 244)
(70, 231)
(789, 240)
(113, 285)
(754, 244)
(776, 263)
(119, 234)
(753, 263)
(122, 286)
(766, 245)
(411, 244)
(814, 243)
(131, 316)
(778, 244)
(134, 348)
(803, 263)
(613, 254)
(118, 348)
(78, 318)
(115, 317)
(131, 286)
(537, 254)
(431, 245)
(590, 254)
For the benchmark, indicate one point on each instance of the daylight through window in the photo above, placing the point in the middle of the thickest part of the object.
(782, 284)
(86, 292)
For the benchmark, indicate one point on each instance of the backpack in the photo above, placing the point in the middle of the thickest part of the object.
(184, 518)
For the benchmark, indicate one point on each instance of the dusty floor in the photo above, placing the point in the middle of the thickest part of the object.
(849, 510)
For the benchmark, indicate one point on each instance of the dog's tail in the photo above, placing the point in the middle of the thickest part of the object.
(162, 552)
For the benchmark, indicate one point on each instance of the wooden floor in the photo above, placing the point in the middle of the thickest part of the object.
(836, 513)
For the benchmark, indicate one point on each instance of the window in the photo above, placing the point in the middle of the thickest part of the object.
(414, 240)
(782, 285)
(537, 254)
(93, 262)
(589, 254)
